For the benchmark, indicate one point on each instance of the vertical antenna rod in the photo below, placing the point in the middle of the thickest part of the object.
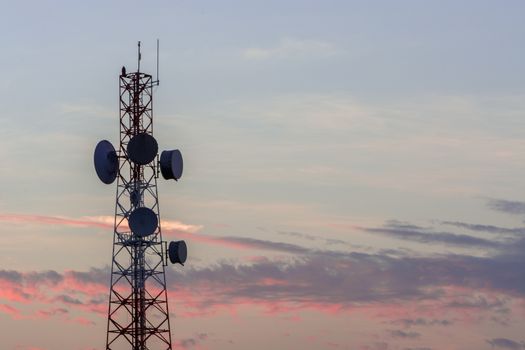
(158, 80)
(139, 57)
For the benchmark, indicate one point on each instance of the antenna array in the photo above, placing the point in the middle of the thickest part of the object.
(138, 315)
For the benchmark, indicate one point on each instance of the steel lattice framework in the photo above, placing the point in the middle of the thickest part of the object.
(138, 315)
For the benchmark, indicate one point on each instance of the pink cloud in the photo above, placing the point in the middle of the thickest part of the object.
(51, 220)
(12, 292)
(10, 310)
(43, 314)
(412, 291)
(170, 228)
(73, 289)
(83, 321)
(225, 294)
(105, 222)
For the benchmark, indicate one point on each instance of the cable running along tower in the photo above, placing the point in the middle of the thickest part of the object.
(138, 315)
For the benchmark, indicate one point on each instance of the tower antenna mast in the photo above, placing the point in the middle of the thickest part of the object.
(138, 315)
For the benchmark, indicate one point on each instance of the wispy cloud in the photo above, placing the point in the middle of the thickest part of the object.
(325, 281)
(25, 347)
(192, 342)
(486, 228)
(505, 343)
(448, 281)
(359, 277)
(411, 322)
(91, 110)
(73, 289)
(291, 48)
(506, 206)
(55, 220)
(417, 234)
(10, 310)
(181, 230)
(309, 237)
(86, 221)
(404, 334)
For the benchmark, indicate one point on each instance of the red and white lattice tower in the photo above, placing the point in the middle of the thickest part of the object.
(138, 315)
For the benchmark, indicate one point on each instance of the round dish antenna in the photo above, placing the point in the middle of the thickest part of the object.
(143, 221)
(142, 149)
(171, 164)
(177, 252)
(106, 162)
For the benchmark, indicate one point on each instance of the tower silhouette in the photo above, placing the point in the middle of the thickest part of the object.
(138, 313)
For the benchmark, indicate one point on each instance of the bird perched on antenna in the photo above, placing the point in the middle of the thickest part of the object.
(123, 72)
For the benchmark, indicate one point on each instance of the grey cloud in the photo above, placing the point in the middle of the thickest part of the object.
(330, 278)
(188, 343)
(38, 282)
(47, 277)
(402, 334)
(403, 225)
(320, 278)
(268, 245)
(11, 276)
(376, 346)
(298, 235)
(347, 278)
(503, 321)
(330, 241)
(499, 305)
(407, 322)
(53, 312)
(504, 343)
(97, 301)
(94, 275)
(18, 280)
(68, 300)
(434, 237)
(486, 228)
(335, 241)
(505, 206)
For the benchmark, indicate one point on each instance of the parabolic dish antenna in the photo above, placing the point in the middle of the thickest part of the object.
(106, 162)
(177, 252)
(143, 221)
(171, 164)
(142, 149)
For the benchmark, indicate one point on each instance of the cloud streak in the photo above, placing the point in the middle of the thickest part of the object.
(105, 222)
(505, 343)
(169, 228)
(428, 236)
(290, 48)
(352, 278)
(506, 206)
(486, 228)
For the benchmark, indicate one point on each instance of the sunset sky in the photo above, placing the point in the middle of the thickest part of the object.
(354, 171)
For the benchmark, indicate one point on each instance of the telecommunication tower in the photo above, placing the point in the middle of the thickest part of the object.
(138, 315)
